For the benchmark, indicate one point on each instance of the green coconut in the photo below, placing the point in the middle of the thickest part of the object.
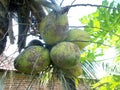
(65, 55)
(32, 60)
(75, 71)
(53, 28)
(79, 37)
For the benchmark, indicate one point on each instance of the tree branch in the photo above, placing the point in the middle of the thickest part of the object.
(92, 5)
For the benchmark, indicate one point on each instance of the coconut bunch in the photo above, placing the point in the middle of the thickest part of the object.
(59, 55)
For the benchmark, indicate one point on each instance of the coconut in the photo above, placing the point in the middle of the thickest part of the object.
(53, 28)
(75, 71)
(79, 37)
(65, 55)
(32, 60)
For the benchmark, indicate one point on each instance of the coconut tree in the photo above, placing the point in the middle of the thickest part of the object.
(48, 20)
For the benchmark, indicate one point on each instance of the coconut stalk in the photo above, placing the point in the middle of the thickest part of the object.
(36, 10)
(70, 83)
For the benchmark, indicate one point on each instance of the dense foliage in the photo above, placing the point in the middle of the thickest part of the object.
(104, 28)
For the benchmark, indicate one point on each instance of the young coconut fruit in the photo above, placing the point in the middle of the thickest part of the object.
(65, 55)
(79, 37)
(32, 60)
(53, 28)
(73, 72)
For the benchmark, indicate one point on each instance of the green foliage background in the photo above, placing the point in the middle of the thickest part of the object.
(104, 28)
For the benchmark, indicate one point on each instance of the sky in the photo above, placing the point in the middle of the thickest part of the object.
(76, 13)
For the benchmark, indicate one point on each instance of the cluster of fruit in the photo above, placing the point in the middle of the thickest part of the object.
(65, 52)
